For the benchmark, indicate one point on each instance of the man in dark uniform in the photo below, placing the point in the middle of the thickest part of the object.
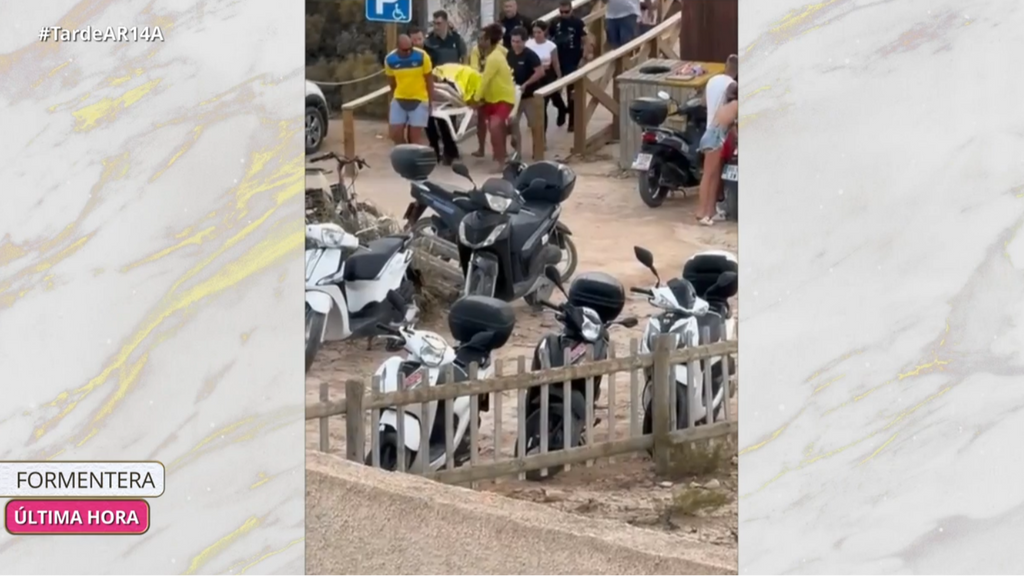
(510, 20)
(568, 33)
(444, 44)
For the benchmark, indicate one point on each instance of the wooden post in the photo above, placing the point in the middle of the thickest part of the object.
(325, 437)
(662, 381)
(537, 130)
(355, 440)
(619, 69)
(580, 119)
(348, 136)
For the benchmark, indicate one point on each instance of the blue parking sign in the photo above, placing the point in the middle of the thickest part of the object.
(391, 11)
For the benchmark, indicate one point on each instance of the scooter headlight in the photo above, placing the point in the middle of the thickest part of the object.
(591, 325)
(490, 239)
(497, 203)
(431, 353)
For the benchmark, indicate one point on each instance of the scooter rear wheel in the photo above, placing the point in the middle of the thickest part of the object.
(314, 334)
(647, 184)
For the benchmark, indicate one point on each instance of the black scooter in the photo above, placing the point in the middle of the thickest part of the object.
(451, 204)
(508, 239)
(592, 305)
(668, 159)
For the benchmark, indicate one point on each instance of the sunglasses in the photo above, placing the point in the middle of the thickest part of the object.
(565, 12)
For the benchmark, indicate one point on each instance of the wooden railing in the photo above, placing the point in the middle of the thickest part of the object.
(660, 441)
(594, 21)
(594, 84)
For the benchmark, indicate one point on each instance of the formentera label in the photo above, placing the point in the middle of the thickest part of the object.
(81, 479)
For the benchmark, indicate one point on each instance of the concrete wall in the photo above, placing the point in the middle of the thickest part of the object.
(364, 521)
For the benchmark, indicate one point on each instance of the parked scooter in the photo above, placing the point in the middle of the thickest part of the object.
(347, 285)
(480, 326)
(451, 204)
(668, 159)
(593, 303)
(683, 315)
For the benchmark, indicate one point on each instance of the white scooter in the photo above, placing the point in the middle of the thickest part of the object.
(481, 325)
(684, 315)
(347, 285)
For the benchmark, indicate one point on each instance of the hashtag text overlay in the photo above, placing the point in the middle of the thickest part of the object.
(101, 34)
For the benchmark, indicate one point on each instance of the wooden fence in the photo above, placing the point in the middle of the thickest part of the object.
(504, 462)
(594, 84)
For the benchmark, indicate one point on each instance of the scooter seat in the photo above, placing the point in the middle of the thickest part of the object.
(525, 223)
(366, 263)
(466, 356)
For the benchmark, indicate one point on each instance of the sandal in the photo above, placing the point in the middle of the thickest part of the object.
(707, 221)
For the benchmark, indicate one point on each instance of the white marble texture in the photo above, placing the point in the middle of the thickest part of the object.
(150, 274)
(883, 283)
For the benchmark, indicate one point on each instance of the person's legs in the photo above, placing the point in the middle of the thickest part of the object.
(418, 120)
(434, 137)
(611, 26)
(397, 119)
(481, 131)
(568, 64)
(711, 146)
(627, 29)
(449, 146)
(497, 119)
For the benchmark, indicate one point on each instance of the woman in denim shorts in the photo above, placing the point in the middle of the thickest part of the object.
(711, 146)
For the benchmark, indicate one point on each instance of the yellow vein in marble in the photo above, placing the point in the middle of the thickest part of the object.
(288, 181)
(90, 116)
(245, 565)
(793, 24)
(219, 546)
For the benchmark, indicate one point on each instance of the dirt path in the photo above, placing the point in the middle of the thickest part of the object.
(607, 219)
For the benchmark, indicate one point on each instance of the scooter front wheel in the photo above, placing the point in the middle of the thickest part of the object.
(315, 322)
(554, 430)
(390, 448)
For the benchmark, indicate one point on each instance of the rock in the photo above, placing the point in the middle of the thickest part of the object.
(695, 485)
(665, 484)
(553, 495)
(714, 484)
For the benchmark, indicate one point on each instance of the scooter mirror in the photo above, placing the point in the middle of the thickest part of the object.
(460, 169)
(629, 322)
(644, 256)
(395, 300)
(554, 276)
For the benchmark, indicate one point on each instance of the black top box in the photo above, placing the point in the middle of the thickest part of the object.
(600, 292)
(648, 111)
(704, 269)
(559, 182)
(413, 161)
(472, 315)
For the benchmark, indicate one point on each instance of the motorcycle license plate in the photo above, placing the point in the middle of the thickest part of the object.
(642, 162)
(731, 172)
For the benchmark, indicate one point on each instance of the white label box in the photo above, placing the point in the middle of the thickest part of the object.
(56, 479)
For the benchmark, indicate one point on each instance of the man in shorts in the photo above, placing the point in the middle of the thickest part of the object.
(409, 74)
(497, 94)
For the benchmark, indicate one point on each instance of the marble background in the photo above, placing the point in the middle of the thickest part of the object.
(150, 274)
(883, 287)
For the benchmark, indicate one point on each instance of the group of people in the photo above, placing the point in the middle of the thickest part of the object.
(513, 59)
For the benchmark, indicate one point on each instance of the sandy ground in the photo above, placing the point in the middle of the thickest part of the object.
(607, 219)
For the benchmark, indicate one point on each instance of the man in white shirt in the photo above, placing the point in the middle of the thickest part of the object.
(714, 91)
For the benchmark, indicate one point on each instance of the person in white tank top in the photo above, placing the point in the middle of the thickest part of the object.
(714, 91)
(546, 51)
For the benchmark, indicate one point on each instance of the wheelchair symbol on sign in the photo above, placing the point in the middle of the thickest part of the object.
(398, 15)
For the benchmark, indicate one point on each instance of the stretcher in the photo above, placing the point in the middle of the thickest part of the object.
(457, 115)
